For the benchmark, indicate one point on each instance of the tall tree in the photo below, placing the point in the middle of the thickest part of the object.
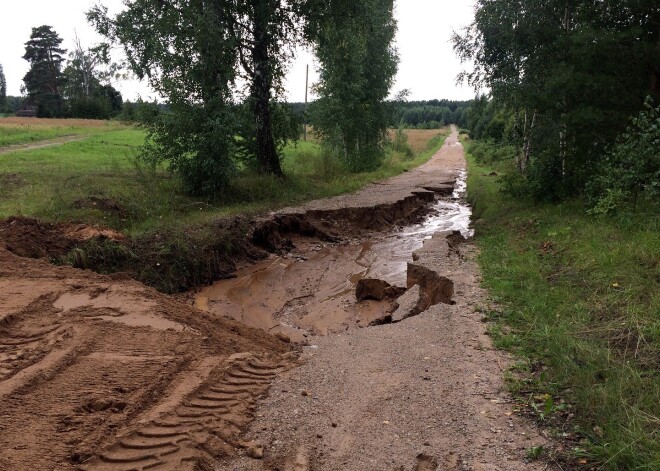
(44, 80)
(87, 87)
(3, 90)
(353, 42)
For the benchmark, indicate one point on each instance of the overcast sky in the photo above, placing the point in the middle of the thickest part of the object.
(428, 66)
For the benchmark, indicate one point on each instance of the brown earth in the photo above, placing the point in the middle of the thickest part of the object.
(102, 373)
(31, 238)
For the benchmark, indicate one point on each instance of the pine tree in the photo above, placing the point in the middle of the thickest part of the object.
(44, 80)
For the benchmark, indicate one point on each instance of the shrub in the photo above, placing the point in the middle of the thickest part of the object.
(631, 169)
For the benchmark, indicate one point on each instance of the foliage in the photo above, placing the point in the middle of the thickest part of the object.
(354, 45)
(195, 54)
(400, 143)
(430, 114)
(632, 168)
(44, 81)
(549, 67)
(575, 298)
(88, 97)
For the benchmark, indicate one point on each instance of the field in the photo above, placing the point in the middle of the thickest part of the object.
(576, 298)
(98, 179)
(23, 131)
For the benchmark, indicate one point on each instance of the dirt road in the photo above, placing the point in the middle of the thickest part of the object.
(40, 144)
(102, 373)
(422, 394)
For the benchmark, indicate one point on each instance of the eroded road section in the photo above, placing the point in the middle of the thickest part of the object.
(375, 291)
(421, 392)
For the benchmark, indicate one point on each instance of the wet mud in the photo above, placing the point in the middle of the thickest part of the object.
(310, 288)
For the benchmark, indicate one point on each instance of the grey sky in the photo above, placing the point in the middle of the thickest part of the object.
(428, 66)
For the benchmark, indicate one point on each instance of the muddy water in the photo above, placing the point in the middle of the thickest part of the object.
(311, 291)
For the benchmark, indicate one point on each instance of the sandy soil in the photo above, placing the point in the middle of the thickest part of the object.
(102, 373)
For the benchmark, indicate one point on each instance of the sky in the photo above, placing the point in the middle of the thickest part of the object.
(428, 66)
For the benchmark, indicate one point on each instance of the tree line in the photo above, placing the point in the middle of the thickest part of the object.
(565, 78)
(57, 87)
(431, 114)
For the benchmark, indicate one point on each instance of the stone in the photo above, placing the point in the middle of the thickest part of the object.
(407, 304)
(378, 290)
(256, 452)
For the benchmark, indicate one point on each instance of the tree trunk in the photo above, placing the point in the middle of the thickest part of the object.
(269, 161)
(527, 142)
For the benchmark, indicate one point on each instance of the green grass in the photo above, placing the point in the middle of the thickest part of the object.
(16, 131)
(577, 300)
(63, 183)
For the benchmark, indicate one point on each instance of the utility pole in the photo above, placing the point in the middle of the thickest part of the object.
(305, 110)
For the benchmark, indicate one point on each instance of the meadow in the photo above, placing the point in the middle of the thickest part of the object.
(99, 179)
(16, 131)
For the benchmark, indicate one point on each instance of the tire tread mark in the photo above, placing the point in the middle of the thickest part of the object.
(207, 422)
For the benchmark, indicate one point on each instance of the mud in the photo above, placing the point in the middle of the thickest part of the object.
(323, 283)
(102, 373)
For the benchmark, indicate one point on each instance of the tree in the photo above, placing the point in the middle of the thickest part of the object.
(88, 97)
(353, 42)
(3, 90)
(570, 71)
(44, 81)
(195, 54)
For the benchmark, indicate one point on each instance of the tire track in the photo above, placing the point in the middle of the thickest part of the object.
(202, 428)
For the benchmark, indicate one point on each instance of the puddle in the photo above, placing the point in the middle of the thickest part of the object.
(312, 291)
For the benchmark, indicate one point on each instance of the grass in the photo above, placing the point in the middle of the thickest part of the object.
(97, 180)
(577, 300)
(15, 131)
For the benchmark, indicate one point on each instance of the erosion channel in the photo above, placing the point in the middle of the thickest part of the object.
(311, 290)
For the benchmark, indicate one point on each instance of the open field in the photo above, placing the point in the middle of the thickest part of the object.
(576, 298)
(417, 138)
(98, 179)
(15, 130)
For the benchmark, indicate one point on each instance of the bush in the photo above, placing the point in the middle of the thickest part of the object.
(631, 170)
(400, 143)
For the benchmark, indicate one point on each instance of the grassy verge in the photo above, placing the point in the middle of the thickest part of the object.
(98, 181)
(578, 303)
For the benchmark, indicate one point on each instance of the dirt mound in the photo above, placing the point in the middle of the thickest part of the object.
(105, 373)
(31, 238)
(102, 204)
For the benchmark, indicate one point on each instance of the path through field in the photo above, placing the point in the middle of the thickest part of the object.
(40, 144)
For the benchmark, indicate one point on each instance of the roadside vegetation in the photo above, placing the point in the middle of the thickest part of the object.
(564, 179)
(576, 298)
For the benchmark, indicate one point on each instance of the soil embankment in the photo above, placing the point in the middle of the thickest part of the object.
(100, 372)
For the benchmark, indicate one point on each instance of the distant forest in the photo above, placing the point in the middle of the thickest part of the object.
(430, 114)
